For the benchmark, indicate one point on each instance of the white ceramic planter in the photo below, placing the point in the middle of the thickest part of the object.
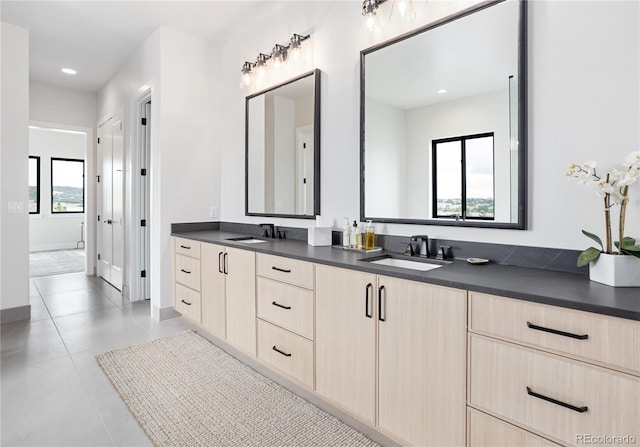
(616, 270)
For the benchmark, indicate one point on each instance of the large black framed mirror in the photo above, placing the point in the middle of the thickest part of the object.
(282, 141)
(443, 122)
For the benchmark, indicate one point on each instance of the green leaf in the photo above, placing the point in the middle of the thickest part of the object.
(632, 250)
(625, 242)
(595, 238)
(590, 254)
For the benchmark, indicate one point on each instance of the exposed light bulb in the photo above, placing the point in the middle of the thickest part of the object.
(402, 11)
(69, 71)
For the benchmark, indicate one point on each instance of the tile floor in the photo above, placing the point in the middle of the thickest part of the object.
(53, 393)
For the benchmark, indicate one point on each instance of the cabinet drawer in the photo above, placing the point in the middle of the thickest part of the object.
(286, 306)
(610, 341)
(296, 353)
(487, 431)
(186, 247)
(187, 272)
(552, 395)
(187, 302)
(292, 271)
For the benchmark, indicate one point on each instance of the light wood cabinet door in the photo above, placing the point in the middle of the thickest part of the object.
(240, 267)
(346, 339)
(213, 289)
(421, 362)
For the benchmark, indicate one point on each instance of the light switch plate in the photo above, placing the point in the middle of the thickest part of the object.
(213, 212)
(15, 207)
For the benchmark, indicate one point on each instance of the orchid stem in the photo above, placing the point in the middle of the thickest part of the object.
(623, 215)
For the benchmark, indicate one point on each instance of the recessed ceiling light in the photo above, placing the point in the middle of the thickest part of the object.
(69, 71)
(442, 91)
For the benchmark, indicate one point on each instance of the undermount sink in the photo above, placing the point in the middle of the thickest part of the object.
(423, 265)
(246, 240)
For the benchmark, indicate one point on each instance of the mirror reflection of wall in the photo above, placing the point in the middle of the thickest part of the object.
(445, 84)
(281, 149)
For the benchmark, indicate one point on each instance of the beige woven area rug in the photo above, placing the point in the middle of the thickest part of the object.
(184, 391)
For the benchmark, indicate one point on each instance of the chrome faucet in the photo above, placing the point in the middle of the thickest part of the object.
(422, 249)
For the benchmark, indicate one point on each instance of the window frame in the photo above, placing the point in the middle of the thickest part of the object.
(463, 167)
(37, 158)
(79, 160)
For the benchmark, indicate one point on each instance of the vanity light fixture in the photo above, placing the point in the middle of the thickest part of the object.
(257, 72)
(401, 11)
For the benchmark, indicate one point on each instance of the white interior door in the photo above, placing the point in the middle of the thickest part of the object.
(110, 202)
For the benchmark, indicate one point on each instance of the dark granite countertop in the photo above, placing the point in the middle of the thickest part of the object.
(568, 290)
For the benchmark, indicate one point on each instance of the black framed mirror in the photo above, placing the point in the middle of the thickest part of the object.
(443, 122)
(282, 141)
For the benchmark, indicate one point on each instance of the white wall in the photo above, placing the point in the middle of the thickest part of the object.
(583, 104)
(49, 231)
(14, 143)
(62, 106)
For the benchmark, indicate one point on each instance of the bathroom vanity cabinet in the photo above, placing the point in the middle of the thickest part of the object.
(423, 364)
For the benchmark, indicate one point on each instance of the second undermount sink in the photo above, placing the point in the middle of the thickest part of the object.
(246, 240)
(391, 261)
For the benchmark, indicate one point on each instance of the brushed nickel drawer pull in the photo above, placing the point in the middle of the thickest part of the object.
(185, 247)
(530, 392)
(280, 270)
(185, 271)
(557, 332)
(186, 302)
(281, 306)
(281, 352)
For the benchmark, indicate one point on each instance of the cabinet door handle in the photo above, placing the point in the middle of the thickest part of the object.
(185, 247)
(186, 302)
(380, 293)
(226, 263)
(281, 352)
(220, 262)
(557, 332)
(367, 297)
(530, 392)
(281, 306)
(280, 270)
(185, 271)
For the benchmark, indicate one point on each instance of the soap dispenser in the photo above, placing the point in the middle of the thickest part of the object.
(369, 236)
(346, 233)
(353, 236)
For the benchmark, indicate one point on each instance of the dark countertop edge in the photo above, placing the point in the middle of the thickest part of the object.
(408, 275)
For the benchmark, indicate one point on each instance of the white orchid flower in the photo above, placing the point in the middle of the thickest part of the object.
(629, 177)
(632, 161)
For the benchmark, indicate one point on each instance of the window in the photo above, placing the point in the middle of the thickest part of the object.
(34, 184)
(67, 185)
(463, 179)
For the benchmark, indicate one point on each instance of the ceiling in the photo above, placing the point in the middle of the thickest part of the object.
(96, 37)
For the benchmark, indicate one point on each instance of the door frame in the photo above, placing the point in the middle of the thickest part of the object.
(90, 206)
(140, 151)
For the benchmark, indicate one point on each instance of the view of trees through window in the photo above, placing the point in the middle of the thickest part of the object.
(463, 177)
(34, 185)
(67, 185)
